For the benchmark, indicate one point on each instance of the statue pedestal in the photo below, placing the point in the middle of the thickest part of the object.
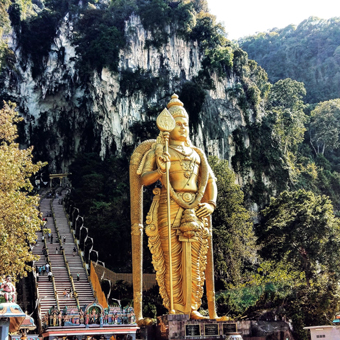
(179, 326)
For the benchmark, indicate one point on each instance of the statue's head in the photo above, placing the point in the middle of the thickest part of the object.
(176, 108)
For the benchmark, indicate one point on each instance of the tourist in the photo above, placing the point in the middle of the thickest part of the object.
(50, 276)
(47, 268)
(56, 251)
(42, 238)
(43, 269)
(49, 235)
(65, 293)
(70, 293)
(74, 251)
(64, 239)
(78, 276)
(52, 239)
(37, 277)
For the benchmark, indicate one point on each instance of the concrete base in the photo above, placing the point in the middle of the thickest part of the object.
(175, 327)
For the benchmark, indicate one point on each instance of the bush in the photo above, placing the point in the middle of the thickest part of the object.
(98, 42)
(37, 36)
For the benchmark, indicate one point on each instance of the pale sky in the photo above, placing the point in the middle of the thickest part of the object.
(246, 17)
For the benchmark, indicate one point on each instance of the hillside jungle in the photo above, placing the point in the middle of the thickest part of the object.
(281, 260)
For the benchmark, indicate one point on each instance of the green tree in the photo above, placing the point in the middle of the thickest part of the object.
(286, 101)
(325, 126)
(308, 53)
(234, 239)
(98, 41)
(101, 193)
(301, 229)
(19, 217)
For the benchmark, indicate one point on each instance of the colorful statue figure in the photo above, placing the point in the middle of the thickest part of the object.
(7, 289)
(189, 182)
(87, 320)
(46, 319)
(106, 317)
(81, 316)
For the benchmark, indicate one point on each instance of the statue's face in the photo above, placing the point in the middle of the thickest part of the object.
(181, 130)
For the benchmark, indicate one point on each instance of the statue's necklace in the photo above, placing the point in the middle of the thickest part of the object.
(187, 163)
(180, 149)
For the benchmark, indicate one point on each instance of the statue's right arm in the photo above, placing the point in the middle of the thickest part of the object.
(150, 173)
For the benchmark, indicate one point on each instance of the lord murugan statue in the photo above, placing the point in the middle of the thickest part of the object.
(178, 224)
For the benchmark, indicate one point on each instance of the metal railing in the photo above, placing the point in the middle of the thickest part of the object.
(75, 294)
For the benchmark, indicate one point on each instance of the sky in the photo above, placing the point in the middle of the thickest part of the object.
(246, 17)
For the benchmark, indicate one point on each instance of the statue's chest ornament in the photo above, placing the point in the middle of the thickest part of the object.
(186, 160)
(188, 167)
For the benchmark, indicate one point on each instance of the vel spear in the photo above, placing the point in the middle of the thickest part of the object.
(166, 123)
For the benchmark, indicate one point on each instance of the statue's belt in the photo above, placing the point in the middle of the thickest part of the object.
(187, 197)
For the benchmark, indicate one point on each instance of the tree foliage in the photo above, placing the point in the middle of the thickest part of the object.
(101, 193)
(301, 229)
(308, 53)
(234, 240)
(19, 217)
(286, 101)
(98, 41)
(325, 126)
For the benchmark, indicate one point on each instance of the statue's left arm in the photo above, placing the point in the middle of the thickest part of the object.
(208, 203)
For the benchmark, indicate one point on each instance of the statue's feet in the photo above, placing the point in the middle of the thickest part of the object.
(195, 315)
(144, 322)
(223, 318)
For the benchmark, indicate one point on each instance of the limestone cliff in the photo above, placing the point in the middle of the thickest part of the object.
(111, 111)
(74, 117)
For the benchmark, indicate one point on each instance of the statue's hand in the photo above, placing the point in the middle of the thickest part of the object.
(205, 209)
(162, 160)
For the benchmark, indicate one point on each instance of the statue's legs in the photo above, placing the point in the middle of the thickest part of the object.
(176, 253)
(187, 287)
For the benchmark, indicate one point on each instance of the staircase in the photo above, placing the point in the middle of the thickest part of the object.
(52, 293)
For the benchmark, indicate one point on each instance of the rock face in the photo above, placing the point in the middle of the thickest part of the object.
(64, 116)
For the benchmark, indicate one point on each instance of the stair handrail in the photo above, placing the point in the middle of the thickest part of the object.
(79, 252)
(75, 294)
(56, 296)
(39, 305)
(76, 243)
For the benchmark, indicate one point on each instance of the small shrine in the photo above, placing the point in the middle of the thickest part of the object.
(90, 321)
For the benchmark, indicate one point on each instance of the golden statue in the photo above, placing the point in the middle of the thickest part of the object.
(182, 254)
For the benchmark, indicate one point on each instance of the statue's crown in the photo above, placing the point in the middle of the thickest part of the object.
(176, 107)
